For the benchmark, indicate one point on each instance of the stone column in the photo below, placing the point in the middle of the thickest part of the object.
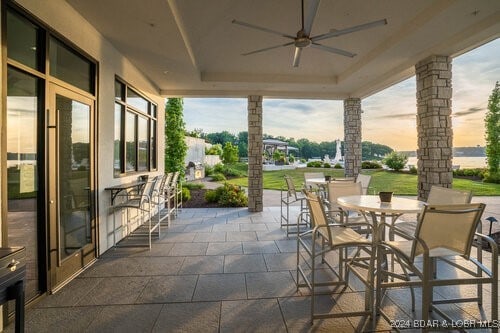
(352, 136)
(435, 135)
(255, 146)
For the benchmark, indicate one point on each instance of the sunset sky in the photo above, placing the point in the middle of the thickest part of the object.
(388, 116)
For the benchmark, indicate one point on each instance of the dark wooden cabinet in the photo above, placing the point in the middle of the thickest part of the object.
(12, 277)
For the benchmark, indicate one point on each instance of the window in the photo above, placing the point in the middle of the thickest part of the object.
(23, 41)
(67, 65)
(135, 148)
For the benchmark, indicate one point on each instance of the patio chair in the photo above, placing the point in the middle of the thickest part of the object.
(365, 182)
(311, 175)
(334, 211)
(141, 202)
(322, 239)
(444, 232)
(172, 190)
(289, 196)
(437, 196)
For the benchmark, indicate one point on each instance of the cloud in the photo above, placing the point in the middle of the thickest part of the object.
(473, 110)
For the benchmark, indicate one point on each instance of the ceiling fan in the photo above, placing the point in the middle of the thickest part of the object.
(303, 38)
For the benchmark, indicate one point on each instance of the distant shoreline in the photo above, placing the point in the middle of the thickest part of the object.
(457, 152)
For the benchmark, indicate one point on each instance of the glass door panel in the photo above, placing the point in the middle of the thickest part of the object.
(72, 229)
(23, 212)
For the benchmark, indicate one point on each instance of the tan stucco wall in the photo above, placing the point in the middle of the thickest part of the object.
(61, 17)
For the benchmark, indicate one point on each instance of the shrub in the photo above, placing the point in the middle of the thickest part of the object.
(232, 172)
(208, 170)
(291, 159)
(315, 164)
(492, 178)
(337, 166)
(218, 168)
(413, 169)
(302, 160)
(186, 194)
(327, 165)
(217, 177)
(193, 186)
(214, 150)
(228, 195)
(211, 196)
(370, 165)
(229, 153)
(396, 161)
(479, 173)
(233, 196)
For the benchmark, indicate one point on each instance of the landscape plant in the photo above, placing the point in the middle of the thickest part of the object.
(229, 153)
(395, 161)
(492, 121)
(175, 145)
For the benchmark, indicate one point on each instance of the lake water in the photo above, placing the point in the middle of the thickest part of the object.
(465, 162)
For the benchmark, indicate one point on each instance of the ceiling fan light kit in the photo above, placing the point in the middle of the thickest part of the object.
(303, 38)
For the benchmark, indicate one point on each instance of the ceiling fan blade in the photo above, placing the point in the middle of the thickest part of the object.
(253, 26)
(311, 14)
(266, 49)
(333, 50)
(296, 57)
(336, 33)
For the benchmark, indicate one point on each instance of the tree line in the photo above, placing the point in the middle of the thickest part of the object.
(306, 148)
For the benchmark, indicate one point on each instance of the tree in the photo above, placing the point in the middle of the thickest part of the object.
(214, 150)
(230, 153)
(395, 160)
(492, 121)
(175, 145)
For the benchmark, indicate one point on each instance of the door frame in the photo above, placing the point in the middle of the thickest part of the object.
(60, 271)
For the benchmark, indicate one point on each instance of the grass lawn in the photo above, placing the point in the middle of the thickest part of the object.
(399, 183)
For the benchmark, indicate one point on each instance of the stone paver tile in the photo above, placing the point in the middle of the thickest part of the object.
(223, 248)
(226, 227)
(260, 247)
(251, 316)
(276, 234)
(115, 290)
(112, 266)
(189, 317)
(210, 237)
(66, 319)
(296, 311)
(125, 318)
(164, 289)
(287, 245)
(159, 265)
(71, 293)
(216, 287)
(198, 228)
(270, 284)
(244, 263)
(178, 237)
(189, 249)
(202, 265)
(280, 261)
(253, 227)
(241, 236)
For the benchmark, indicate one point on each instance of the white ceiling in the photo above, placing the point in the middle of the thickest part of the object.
(191, 48)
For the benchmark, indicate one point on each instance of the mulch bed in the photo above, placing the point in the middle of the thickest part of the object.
(198, 200)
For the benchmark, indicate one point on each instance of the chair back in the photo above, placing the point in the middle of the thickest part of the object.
(156, 191)
(450, 227)
(147, 190)
(446, 196)
(365, 182)
(309, 175)
(290, 187)
(318, 216)
(173, 181)
(342, 189)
